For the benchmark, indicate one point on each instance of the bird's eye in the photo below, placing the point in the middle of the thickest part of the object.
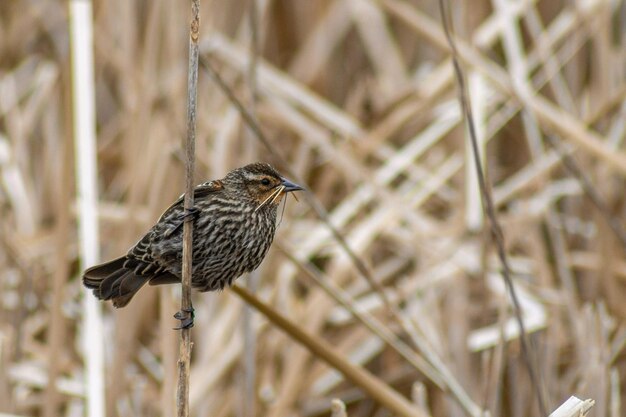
(265, 181)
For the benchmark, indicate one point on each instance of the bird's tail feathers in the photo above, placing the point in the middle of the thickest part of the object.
(96, 274)
(111, 281)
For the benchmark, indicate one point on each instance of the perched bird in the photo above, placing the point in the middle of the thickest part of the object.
(234, 221)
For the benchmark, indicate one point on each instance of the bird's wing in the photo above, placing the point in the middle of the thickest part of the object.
(202, 190)
(141, 256)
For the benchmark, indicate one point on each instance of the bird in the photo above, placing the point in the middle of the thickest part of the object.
(234, 222)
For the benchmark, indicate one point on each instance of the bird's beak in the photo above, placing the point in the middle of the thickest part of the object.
(290, 186)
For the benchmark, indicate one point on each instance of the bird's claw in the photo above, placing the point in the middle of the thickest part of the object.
(186, 316)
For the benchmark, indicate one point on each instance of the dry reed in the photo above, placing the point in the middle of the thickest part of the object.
(358, 99)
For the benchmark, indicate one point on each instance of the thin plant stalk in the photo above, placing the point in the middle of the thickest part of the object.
(184, 361)
(83, 93)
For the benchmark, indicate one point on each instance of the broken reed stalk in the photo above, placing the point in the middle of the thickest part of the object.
(490, 211)
(184, 358)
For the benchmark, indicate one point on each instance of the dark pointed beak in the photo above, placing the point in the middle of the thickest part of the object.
(290, 186)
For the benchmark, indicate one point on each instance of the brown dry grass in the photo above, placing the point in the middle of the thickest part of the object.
(360, 98)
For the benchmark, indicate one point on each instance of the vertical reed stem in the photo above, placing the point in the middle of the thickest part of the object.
(84, 120)
(184, 359)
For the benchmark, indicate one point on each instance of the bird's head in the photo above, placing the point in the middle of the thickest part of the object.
(260, 183)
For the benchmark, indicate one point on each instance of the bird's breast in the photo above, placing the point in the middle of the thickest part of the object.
(232, 238)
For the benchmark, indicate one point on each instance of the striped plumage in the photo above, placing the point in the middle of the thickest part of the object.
(234, 225)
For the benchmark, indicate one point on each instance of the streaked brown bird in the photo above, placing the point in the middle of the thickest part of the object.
(234, 225)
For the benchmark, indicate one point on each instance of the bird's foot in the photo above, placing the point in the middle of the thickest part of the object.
(186, 316)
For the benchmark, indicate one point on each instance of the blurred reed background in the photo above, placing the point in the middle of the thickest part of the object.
(360, 96)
